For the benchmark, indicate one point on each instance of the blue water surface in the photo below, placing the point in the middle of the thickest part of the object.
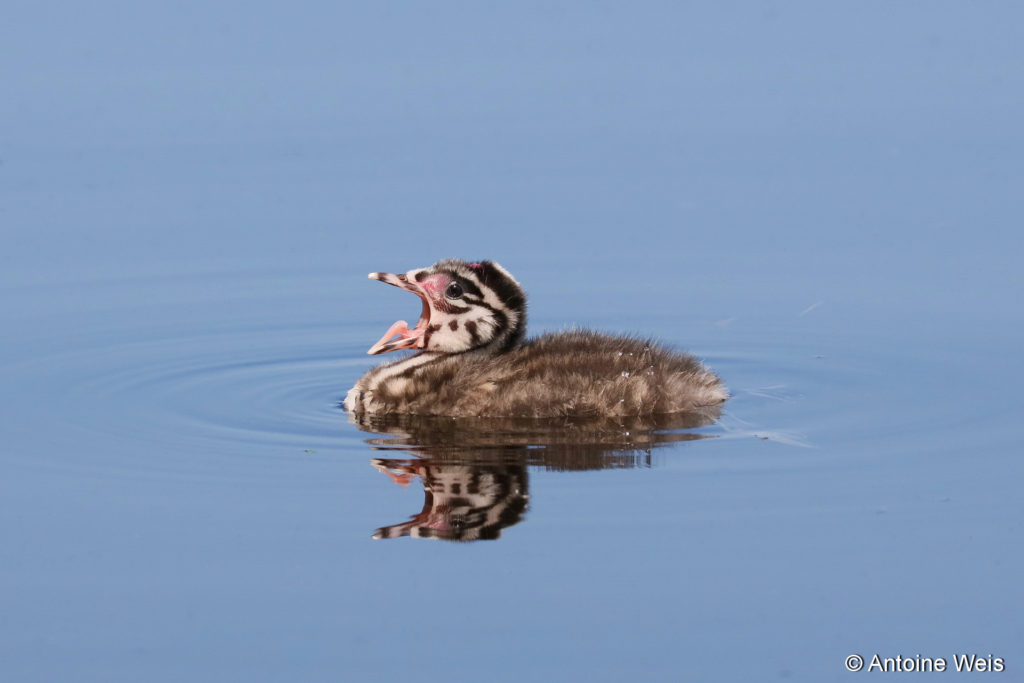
(822, 201)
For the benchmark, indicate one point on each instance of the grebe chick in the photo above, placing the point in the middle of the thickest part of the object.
(472, 359)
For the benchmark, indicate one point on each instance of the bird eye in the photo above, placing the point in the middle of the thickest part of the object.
(454, 291)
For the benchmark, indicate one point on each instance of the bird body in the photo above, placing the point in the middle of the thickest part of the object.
(472, 359)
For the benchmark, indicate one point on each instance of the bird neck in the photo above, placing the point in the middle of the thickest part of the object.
(509, 338)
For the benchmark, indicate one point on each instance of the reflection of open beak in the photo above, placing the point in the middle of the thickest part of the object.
(407, 339)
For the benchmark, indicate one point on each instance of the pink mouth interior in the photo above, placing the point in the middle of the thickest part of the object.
(407, 338)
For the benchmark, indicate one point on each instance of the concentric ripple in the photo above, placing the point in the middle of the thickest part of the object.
(250, 387)
(181, 373)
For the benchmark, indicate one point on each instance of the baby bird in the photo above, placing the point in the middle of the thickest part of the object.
(472, 360)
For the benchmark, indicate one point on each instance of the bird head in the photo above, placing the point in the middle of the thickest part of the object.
(466, 306)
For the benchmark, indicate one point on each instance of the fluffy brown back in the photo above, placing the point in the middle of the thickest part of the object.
(576, 374)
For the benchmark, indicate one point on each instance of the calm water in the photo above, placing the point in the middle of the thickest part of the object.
(823, 205)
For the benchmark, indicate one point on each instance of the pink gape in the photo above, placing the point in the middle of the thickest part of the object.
(401, 328)
(433, 287)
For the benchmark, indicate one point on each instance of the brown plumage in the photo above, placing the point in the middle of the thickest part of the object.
(472, 360)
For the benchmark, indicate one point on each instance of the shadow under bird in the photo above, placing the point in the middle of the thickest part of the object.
(472, 359)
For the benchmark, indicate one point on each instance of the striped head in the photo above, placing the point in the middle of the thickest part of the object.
(466, 306)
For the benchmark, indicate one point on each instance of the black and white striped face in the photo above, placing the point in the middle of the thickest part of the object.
(466, 306)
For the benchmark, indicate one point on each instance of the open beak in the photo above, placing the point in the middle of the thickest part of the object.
(407, 339)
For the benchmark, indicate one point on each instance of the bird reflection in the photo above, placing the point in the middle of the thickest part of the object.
(474, 471)
(462, 502)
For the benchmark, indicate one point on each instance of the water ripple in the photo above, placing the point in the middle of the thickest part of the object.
(218, 391)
